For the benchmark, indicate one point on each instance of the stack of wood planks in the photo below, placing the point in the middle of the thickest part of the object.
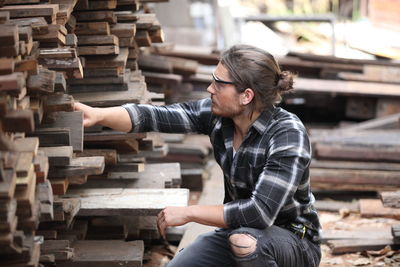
(52, 54)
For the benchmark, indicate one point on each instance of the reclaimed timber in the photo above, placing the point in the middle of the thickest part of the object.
(374, 208)
(162, 78)
(58, 156)
(145, 21)
(113, 253)
(41, 165)
(110, 202)
(390, 199)
(111, 135)
(53, 136)
(36, 105)
(45, 193)
(12, 83)
(60, 83)
(123, 29)
(103, 15)
(110, 155)
(97, 40)
(134, 94)
(396, 232)
(73, 121)
(59, 186)
(26, 196)
(108, 61)
(8, 184)
(82, 88)
(10, 50)
(26, 11)
(58, 102)
(125, 167)
(102, 72)
(18, 121)
(154, 63)
(24, 164)
(4, 17)
(9, 35)
(6, 66)
(347, 88)
(92, 28)
(349, 246)
(142, 38)
(78, 166)
(43, 82)
(81, 179)
(98, 50)
(71, 40)
(355, 165)
(355, 234)
(355, 177)
(72, 67)
(58, 53)
(122, 146)
(100, 80)
(29, 65)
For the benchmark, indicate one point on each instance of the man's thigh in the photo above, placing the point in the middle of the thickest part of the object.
(210, 249)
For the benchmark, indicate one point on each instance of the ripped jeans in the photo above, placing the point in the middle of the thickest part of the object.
(273, 246)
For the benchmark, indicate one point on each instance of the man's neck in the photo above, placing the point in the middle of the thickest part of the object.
(243, 122)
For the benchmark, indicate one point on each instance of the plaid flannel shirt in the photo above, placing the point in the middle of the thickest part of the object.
(267, 181)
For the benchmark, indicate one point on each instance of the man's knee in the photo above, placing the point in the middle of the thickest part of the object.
(242, 244)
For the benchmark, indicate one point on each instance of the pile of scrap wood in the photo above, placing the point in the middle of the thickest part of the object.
(60, 185)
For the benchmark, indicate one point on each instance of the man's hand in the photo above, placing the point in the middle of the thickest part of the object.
(91, 115)
(171, 216)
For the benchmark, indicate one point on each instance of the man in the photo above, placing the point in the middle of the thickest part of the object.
(267, 218)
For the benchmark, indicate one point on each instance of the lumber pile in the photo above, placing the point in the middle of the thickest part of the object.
(51, 55)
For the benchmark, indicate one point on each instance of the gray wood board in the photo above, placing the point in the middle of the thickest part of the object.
(110, 202)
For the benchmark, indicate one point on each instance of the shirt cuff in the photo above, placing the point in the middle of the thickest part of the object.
(133, 112)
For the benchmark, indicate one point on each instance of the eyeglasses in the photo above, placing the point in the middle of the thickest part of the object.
(218, 83)
(216, 79)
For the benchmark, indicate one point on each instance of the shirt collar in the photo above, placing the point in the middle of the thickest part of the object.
(262, 122)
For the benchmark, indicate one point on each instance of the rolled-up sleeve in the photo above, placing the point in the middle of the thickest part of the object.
(194, 116)
(288, 157)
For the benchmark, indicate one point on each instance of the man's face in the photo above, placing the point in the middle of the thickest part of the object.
(225, 98)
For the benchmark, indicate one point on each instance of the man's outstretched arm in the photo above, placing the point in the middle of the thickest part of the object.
(116, 118)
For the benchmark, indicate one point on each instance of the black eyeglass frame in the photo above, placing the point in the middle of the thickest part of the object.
(216, 79)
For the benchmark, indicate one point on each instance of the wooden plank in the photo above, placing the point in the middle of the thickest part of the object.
(125, 167)
(109, 61)
(390, 199)
(374, 208)
(92, 28)
(53, 136)
(113, 253)
(97, 40)
(19, 121)
(355, 165)
(58, 102)
(29, 65)
(112, 135)
(8, 184)
(142, 38)
(78, 166)
(28, 144)
(110, 155)
(123, 29)
(396, 232)
(346, 88)
(6, 66)
(58, 156)
(59, 186)
(103, 15)
(8, 35)
(43, 82)
(98, 50)
(58, 53)
(72, 67)
(41, 165)
(349, 246)
(110, 202)
(73, 121)
(13, 83)
(60, 83)
(354, 177)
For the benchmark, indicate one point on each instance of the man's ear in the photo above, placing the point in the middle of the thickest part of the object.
(247, 96)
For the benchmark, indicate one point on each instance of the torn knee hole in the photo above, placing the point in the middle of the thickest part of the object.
(242, 244)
